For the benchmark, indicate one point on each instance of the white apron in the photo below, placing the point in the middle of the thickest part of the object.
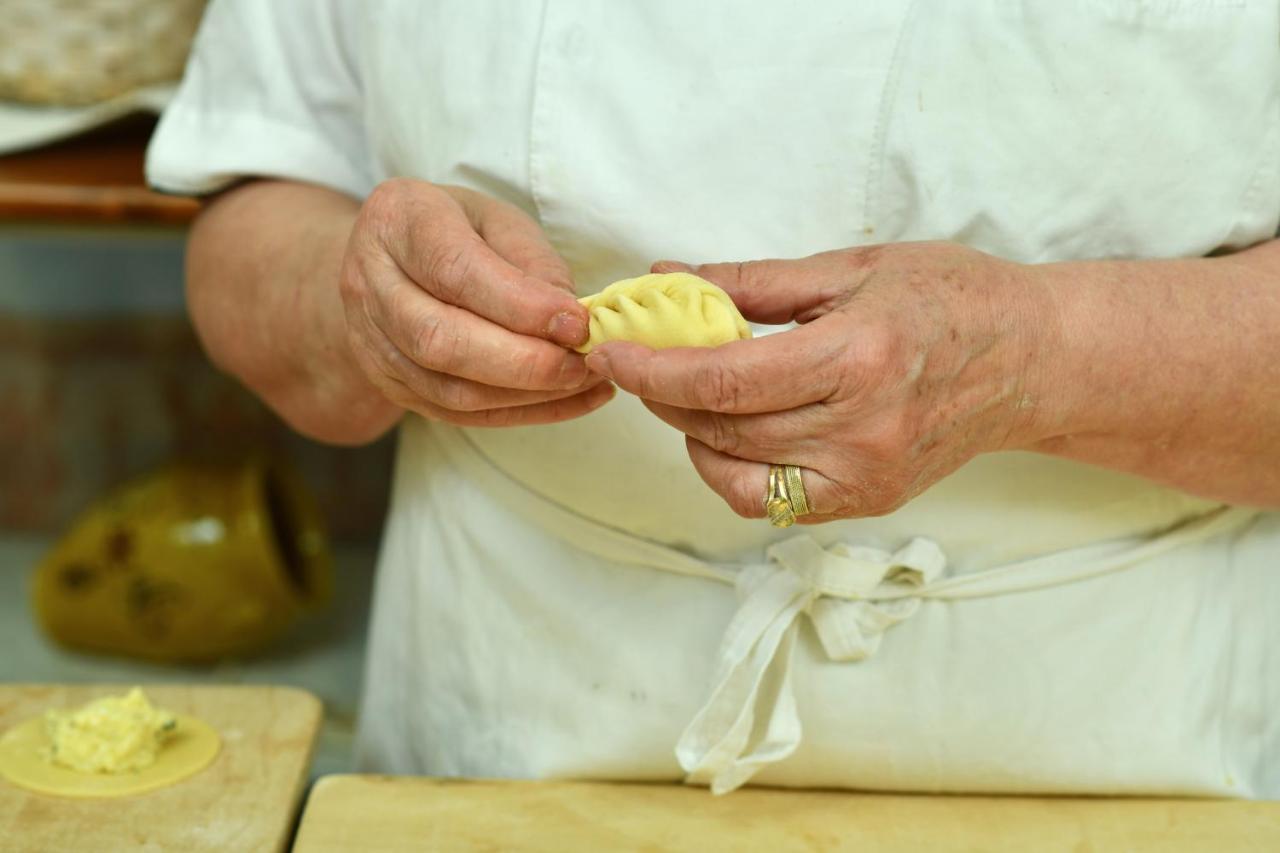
(571, 601)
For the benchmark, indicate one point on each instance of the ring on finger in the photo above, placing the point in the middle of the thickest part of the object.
(785, 498)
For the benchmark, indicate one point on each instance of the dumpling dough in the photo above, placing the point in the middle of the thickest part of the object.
(116, 742)
(664, 310)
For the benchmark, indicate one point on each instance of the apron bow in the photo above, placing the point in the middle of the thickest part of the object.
(852, 595)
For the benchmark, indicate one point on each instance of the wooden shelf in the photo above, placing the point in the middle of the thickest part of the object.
(96, 178)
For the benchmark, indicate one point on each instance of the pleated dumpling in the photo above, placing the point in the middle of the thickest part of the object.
(664, 310)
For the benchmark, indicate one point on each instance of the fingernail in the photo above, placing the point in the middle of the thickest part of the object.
(598, 362)
(568, 328)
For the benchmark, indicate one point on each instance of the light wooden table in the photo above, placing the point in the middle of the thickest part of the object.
(245, 801)
(380, 814)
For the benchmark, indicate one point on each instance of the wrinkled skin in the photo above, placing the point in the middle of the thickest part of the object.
(458, 308)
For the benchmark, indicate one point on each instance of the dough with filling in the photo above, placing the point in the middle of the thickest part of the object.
(113, 747)
(664, 310)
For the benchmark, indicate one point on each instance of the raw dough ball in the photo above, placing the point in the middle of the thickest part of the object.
(664, 310)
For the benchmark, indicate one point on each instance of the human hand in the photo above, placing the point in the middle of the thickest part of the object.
(459, 309)
(910, 359)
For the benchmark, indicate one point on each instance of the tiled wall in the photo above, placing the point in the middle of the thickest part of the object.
(101, 378)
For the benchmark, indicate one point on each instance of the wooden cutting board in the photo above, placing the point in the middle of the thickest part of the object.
(379, 814)
(246, 800)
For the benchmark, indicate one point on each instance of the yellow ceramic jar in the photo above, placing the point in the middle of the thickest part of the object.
(195, 562)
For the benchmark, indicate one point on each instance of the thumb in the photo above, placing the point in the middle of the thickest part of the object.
(781, 291)
(514, 235)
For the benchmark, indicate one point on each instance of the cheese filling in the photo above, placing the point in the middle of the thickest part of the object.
(115, 734)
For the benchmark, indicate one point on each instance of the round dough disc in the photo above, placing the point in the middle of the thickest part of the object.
(22, 761)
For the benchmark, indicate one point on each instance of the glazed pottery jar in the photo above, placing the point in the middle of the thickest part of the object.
(195, 562)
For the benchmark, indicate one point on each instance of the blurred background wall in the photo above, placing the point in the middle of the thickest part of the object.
(101, 378)
(100, 374)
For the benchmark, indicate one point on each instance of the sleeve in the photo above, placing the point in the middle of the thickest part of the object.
(272, 89)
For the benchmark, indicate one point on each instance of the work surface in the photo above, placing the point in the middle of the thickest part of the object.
(378, 813)
(244, 801)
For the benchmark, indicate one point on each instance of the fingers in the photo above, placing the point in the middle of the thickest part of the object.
(549, 412)
(740, 483)
(455, 305)
(769, 374)
(794, 436)
(464, 395)
(459, 401)
(782, 291)
(743, 484)
(429, 235)
(451, 340)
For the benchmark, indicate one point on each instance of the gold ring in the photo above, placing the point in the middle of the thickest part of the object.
(795, 490)
(785, 498)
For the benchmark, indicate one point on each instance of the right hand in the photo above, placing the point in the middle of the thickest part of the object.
(459, 309)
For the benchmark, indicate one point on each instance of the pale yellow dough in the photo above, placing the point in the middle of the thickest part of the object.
(664, 310)
(113, 747)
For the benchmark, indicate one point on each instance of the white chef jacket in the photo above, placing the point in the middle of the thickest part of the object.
(571, 601)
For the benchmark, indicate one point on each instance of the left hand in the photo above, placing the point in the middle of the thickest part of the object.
(911, 359)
